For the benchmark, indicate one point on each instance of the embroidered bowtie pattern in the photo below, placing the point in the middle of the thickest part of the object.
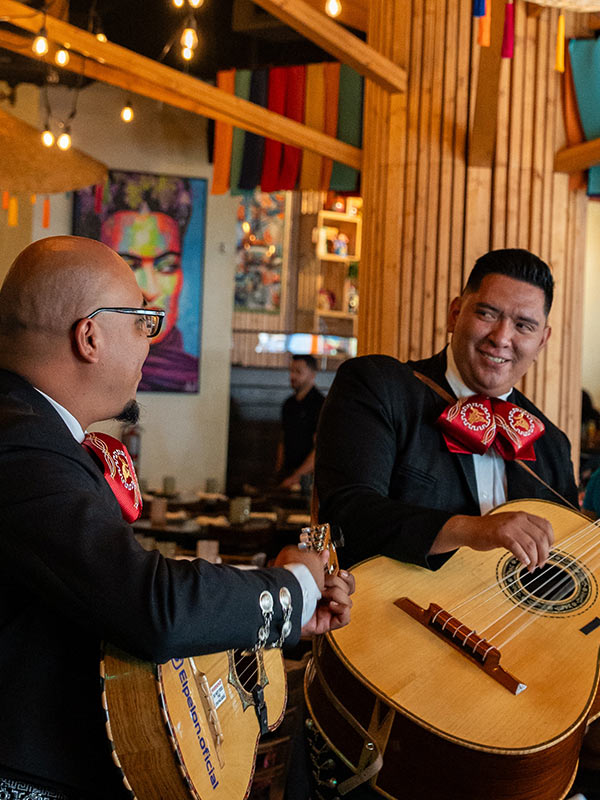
(474, 424)
(118, 471)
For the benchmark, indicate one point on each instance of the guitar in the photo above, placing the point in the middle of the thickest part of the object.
(190, 727)
(476, 681)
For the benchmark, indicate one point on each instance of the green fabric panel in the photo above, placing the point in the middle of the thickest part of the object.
(349, 129)
(242, 89)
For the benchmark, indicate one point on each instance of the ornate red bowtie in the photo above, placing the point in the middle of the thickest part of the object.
(474, 424)
(118, 471)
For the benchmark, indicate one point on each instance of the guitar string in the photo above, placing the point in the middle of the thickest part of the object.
(564, 583)
(538, 583)
(565, 580)
(516, 572)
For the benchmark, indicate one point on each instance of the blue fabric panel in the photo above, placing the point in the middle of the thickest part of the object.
(585, 61)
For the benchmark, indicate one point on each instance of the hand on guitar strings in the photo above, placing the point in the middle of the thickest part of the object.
(333, 609)
(527, 536)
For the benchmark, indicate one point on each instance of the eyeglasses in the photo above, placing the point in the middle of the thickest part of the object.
(151, 317)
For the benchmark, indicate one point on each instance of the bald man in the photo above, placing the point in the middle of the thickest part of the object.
(73, 337)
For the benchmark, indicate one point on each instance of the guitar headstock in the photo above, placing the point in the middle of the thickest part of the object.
(318, 538)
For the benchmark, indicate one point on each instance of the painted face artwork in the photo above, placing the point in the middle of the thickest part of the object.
(150, 243)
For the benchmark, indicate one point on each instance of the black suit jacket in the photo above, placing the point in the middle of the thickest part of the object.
(72, 574)
(384, 473)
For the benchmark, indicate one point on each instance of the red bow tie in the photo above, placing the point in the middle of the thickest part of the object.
(118, 471)
(474, 424)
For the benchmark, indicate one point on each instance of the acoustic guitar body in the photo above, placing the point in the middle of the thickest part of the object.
(448, 727)
(189, 728)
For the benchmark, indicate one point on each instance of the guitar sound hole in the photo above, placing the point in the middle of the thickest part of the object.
(246, 667)
(550, 583)
(563, 586)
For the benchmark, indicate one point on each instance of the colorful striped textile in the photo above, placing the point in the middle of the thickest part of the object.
(314, 117)
(254, 145)
(294, 109)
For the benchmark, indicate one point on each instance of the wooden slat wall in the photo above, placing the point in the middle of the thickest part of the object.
(428, 221)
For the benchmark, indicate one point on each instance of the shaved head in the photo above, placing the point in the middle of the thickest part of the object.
(56, 281)
(90, 366)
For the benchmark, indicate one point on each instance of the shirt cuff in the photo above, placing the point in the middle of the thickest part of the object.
(310, 591)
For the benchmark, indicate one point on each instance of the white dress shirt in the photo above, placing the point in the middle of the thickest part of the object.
(490, 470)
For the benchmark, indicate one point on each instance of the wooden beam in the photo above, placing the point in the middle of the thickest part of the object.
(335, 39)
(578, 157)
(482, 142)
(118, 66)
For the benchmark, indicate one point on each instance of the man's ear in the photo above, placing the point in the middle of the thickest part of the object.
(86, 340)
(453, 312)
(545, 337)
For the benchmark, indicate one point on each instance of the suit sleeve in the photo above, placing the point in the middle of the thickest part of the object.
(358, 442)
(64, 537)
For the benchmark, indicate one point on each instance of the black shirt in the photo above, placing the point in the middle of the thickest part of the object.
(299, 420)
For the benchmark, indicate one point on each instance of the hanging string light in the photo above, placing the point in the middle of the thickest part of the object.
(62, 57)
(196, 3)
(64, 140)
(40, 43)
(178, 3)
(47, 136)
(127, 112)
(189, 38)
(333, 8)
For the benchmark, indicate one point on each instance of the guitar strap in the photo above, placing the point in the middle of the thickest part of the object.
(449, 399)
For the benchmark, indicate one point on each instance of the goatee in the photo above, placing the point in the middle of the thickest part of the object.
(130, 414)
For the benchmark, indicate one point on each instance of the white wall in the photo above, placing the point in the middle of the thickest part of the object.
(590, 378)
(183, 435)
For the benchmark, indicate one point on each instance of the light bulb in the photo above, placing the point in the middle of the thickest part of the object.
(64, 141)
(333, 8)
(127, 113)
(40, 43)
(189, 39)
(178, 3)
(196, 3)
(62, 58)
(187, 53)
(47, 138)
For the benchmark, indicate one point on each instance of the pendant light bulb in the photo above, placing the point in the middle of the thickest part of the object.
(189, 39)
(178, 3)
(47, 137)
(333, 8)
(62, 57)
(101, 36)
(127, 112)
(187, 53)
(196, 3)
(40, 43)
(64, 140)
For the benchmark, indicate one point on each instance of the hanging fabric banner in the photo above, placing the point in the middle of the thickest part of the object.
(314, 117)
(254, 145)
(269, 181)
(585, 61)
(349, 128)
(294, 109)
(242, 89)
(223, 139)
(508, 37)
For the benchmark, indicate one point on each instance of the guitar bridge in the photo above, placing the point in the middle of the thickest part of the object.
(463, 639)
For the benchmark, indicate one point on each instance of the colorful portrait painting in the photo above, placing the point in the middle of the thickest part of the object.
(156, 224)
(259, 255)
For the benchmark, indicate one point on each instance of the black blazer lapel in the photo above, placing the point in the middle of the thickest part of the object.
(435, 368)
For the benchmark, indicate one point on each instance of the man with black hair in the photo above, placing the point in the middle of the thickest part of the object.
(389, 472)
(407, 464)
(299, 418)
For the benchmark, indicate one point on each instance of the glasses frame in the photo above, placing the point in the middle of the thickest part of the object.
(140, 312)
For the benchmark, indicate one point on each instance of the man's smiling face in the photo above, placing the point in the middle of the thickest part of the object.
(498, 332)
